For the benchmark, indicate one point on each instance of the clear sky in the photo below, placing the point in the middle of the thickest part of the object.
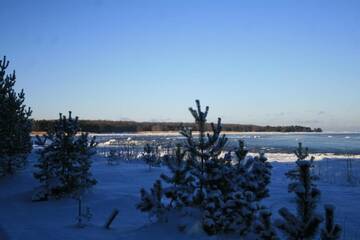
(260, 62)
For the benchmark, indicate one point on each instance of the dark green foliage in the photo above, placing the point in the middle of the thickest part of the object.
(294, 228)
(15, 125)
(181, 183)
(152, 202)
(209, 181)
(226, 206)
(264, 229)
(331, 231)
(259, 177)
(203, 147)
(301, 153)
(305, 224)
(253, 173)
(64, 164)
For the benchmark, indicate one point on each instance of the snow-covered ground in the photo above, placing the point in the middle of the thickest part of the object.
(118, 187)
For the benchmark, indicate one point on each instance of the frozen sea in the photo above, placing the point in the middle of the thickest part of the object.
(333, 143)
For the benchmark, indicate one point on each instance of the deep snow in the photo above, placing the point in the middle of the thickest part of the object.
(118, 187)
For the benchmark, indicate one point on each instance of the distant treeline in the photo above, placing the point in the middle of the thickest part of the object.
(105, 126)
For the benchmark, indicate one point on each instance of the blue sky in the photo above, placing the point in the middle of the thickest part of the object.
(260, 62)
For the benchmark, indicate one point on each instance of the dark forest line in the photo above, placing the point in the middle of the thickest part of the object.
(107, 126)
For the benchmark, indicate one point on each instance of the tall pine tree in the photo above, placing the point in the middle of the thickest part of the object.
(15, 124)
(64, 165)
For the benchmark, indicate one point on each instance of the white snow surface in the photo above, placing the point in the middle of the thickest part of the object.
(118, 187)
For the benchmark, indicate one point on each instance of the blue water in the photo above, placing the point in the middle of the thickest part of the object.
(338, 143)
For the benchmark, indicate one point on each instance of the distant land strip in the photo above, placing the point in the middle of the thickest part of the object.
(107, 126)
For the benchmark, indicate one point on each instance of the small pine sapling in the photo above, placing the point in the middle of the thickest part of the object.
(63, 167)
(302, 154)
(331, 231)
(203, 147)
(152, 202)
(305, 224)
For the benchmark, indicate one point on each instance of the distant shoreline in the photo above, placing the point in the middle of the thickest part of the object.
(176, 133)
(106, 126)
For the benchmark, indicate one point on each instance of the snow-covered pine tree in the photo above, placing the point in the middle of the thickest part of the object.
(331, 231)
(305, 224)
(241, 153)
(203, 147)
(64, 165)
(15, 125)
(226, 207)
(259, 176)
(239, 204)
(242, 165)
(153, 202)
(264, 228)
(301, 154)
(181, 182)
(149, 156)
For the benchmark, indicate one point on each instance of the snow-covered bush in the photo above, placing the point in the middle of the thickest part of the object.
(253, 173)
(152, 202)
(15, 125)
(258, 178)
(64, 165)
(181, 182)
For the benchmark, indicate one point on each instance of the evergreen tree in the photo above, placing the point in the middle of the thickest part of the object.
(258, 178)
(264, 229)
(203, 147)
(153, 202)
(206, 181)
(305, 224)
(64, 164)
(181, 183)
(331, 231)
(226, 206)
(253, 173)
(15, 125)
(301, 154)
